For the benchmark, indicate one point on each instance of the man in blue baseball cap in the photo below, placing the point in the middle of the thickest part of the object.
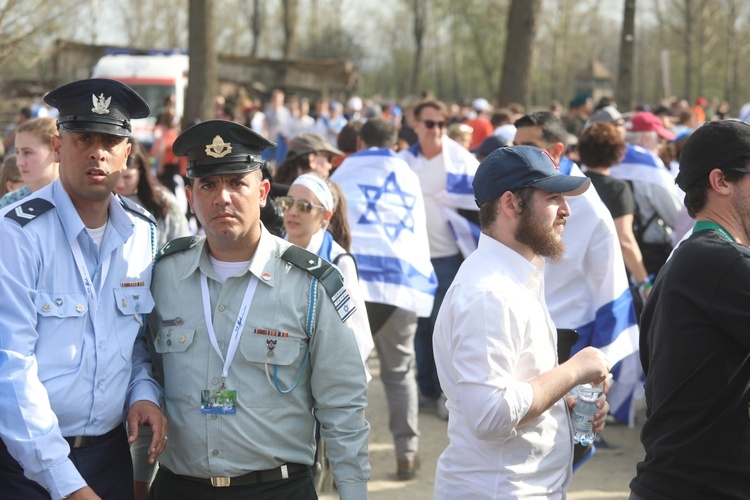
(495, 343)
(75, 274)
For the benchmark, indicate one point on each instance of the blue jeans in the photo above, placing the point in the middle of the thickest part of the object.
(427, 377)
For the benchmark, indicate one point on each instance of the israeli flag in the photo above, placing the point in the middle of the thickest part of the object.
(588, 291)
(460, 167)
(640, 164)
(386, 213)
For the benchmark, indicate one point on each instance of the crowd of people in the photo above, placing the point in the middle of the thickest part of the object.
(209, 302)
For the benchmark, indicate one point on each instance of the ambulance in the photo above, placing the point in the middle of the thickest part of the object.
(155, 76)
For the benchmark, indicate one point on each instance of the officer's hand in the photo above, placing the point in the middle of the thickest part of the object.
(147, 413)
(590, 365)
(84, 494)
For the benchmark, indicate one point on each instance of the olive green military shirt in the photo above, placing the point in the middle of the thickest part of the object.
(269, 428)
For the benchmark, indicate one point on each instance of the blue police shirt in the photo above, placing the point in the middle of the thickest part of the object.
(64, 371)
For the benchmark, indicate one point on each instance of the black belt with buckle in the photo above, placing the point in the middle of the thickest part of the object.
(86, 441)
(259, 476)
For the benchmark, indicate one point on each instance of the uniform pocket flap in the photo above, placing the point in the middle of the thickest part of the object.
(61, 304)
(174, 339)
(134, 300)
(260, 348)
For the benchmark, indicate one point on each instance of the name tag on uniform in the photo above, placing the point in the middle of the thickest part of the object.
(220, 401)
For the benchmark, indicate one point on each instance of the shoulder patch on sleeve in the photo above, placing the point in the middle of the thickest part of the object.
(177, 245)
(135, 208)
(328, 276)
(29, 210)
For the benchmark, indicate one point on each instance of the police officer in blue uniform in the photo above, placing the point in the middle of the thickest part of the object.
(75, 273)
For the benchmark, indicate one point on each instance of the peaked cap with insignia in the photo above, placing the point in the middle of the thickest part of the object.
(97, 105)
(216, 147)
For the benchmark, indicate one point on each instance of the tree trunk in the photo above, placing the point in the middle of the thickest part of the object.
(515, 81)
(688, 40)
(204, 61)
(624, 92)
(290, 26)
(256, 26)
(420, 12)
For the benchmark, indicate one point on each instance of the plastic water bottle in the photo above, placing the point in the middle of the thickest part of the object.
(583, 412)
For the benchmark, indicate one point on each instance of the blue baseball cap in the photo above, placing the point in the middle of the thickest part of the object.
(97, 105)
(514, 167)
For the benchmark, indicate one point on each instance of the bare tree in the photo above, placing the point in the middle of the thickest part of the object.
(290, 25)
(204, 61)
(419, 10)
(27, 27)
(256, 25)
(624, 93)
(731, 71)
(515, 82)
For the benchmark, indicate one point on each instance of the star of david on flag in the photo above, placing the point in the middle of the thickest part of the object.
(398, 216)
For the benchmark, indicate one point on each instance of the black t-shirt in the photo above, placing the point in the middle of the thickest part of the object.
(615, 193)
(695, 351)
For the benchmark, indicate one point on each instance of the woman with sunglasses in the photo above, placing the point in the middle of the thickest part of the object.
(315, 219)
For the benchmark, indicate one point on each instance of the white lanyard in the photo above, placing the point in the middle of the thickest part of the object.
(238, 325)
(88, 283)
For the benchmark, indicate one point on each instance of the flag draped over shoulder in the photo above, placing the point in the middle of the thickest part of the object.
(389, 234)
(460, 167)
(640, 164)
(588, 291)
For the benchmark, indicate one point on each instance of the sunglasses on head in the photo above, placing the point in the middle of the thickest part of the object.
(432, 123)
(304, 206)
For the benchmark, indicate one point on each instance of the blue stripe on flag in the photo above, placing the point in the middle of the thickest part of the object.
(381, 269)
(611, 319)
(459, 184)
(640, 156)
(566, 165)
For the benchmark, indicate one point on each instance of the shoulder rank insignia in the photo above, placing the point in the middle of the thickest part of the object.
(178, 245)
(29, 210)
(136, 209)
(328, 276)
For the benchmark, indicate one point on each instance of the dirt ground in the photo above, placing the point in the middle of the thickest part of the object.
(603, 477)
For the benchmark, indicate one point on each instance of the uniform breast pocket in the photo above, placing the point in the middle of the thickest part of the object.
(264, 352)
(132, 303)
(173, 345)
(61, 323)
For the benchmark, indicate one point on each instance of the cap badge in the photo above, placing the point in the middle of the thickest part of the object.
(101, 105)
(218, 148)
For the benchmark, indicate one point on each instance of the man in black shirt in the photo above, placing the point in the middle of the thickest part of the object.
(695, 342)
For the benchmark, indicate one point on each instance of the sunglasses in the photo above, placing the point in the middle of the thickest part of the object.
(303, 206)
(432, 123)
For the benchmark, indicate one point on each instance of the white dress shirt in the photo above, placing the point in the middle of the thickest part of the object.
(493, 335)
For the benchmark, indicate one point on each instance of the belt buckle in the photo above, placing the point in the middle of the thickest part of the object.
(82, 441)
(220, 482)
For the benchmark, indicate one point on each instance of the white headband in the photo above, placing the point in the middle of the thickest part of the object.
(319, 188)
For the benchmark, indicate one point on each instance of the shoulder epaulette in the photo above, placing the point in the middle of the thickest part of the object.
(29, 210)
(328, 276)
(178, 245)
(135, 208)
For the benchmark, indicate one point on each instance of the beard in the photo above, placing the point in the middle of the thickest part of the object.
(541, 237)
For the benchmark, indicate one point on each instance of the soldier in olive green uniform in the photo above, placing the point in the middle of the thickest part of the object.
(251, 337)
